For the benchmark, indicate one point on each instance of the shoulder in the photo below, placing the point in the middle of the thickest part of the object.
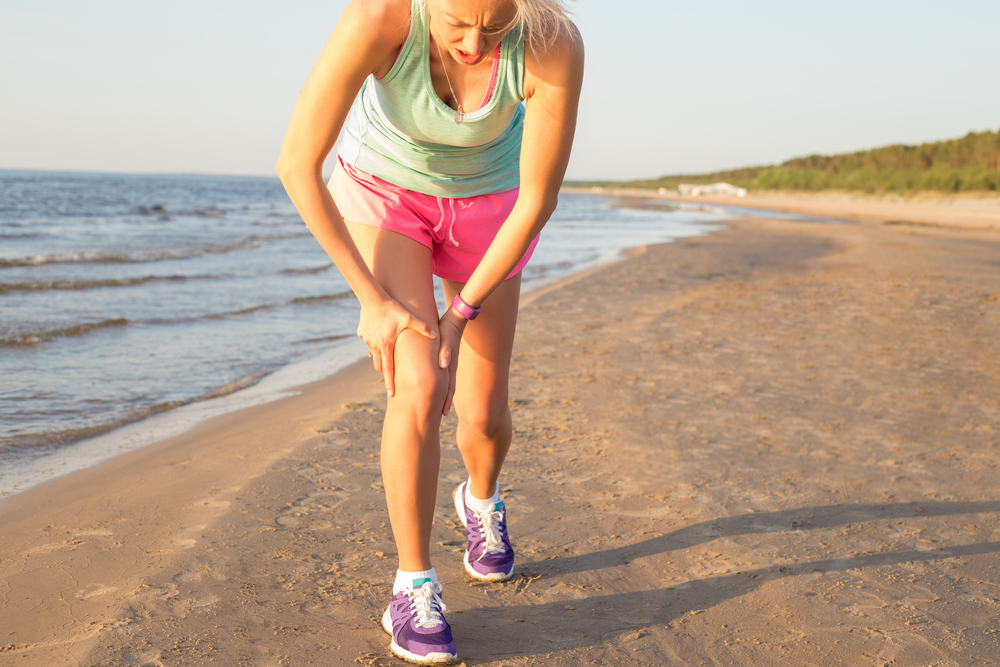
(382, 14)
(556, 60)
(382, 20)
(375, 26)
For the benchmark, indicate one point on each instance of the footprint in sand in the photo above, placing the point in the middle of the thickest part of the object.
(94, 590)
(93, 532)
(156, 593)
(320, 475)
(312, 510)
(54, 546)
(149, 658)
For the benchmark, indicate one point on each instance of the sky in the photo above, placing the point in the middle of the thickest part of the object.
(670, 87)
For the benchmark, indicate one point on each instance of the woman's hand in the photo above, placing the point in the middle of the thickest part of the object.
(379, 327)
(452, 326)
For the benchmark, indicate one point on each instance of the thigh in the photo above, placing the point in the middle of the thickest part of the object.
(484, 357)
(401, 266)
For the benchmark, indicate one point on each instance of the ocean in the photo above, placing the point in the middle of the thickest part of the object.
(124, 297)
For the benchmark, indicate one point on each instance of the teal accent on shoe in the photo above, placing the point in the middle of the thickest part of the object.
(498, 506)
(417, 583)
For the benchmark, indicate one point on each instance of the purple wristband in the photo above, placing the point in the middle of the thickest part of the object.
(464, 309)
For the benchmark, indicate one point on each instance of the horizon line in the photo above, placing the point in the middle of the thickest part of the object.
(135, 173)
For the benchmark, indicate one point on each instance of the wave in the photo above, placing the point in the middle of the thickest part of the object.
(227, 314)
(36, 337)
(308, 272)
(322, 298)
(32, 442)
(42, 286)
(300, 301)
(323, 339)
(26, 339)
(161, 211)
(26, 235)
(142, 256)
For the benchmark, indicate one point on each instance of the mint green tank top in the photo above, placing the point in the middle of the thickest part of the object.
(400, 130)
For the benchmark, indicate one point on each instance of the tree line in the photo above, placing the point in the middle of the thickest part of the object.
(970, 163)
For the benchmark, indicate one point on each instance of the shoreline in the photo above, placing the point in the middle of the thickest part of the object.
(118, 440)
(18, 477)
(234, 457)
(761, 446)
(979, 213)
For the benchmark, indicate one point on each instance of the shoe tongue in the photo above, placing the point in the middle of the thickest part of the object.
(417, 583)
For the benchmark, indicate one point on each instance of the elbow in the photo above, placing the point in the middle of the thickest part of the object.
(293, 165)
(545, 206)
(538, 203)
(549, 205)
(283, 167)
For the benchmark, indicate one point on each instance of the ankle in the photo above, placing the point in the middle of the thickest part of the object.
(417, 579)
(481, 504)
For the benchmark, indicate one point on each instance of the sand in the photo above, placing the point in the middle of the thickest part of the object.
(773, 445)
(974, 211)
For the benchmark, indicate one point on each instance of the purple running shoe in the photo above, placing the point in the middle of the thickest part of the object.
(415, 619)
(489, 556)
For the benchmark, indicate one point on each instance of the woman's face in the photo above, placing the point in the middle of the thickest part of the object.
(470, 29)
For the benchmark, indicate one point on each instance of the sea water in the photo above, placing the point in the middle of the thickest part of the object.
(126, 296)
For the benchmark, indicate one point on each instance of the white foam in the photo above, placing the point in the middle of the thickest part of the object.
(16, 477)
(19, 476)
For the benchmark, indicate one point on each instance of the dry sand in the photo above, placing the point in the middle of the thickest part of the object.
(971, 211)
(774, 445)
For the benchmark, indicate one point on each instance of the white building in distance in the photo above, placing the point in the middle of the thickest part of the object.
(715, 189)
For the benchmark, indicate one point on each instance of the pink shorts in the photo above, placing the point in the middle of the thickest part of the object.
(457, 231)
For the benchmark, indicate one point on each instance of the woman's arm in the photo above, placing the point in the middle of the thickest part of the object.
(553, 79)
(552, 93)
(365, 41)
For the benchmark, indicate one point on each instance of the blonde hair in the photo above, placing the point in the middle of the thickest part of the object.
(541, 22)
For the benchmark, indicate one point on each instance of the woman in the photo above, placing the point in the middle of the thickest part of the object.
(441, 170)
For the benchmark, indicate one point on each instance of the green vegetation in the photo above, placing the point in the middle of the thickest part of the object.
(971, 163)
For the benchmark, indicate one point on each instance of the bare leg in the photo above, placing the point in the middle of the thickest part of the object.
(484, 424)
(411, 444)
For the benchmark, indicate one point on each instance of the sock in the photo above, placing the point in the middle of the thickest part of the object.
(478, 505)
(413, 579)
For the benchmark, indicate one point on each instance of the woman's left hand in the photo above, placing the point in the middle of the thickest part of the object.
(451, 326)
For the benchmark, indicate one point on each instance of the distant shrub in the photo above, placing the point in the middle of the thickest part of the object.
(971, 163)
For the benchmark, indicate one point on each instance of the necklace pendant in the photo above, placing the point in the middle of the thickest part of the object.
(458, 116)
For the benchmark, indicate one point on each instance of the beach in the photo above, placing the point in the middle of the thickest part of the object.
(136, 303)
(776, 444)
(978, 211)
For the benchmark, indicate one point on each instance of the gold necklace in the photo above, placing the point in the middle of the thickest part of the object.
(459, 112)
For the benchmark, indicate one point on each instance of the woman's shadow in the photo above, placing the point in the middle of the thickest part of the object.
(562, 624)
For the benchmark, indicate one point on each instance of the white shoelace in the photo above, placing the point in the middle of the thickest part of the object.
(426, 602)
(489, 521)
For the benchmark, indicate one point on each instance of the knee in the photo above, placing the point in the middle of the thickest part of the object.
(484, 419)
(420, 384)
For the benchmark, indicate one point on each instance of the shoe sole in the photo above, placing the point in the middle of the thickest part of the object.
(493, 576)
(400, 652)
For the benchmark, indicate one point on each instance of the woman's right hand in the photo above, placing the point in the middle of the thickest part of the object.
(379, 326)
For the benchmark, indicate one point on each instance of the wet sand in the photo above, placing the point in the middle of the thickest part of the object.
(775, 445)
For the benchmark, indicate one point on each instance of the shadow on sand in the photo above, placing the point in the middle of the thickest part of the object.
(595, 618)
